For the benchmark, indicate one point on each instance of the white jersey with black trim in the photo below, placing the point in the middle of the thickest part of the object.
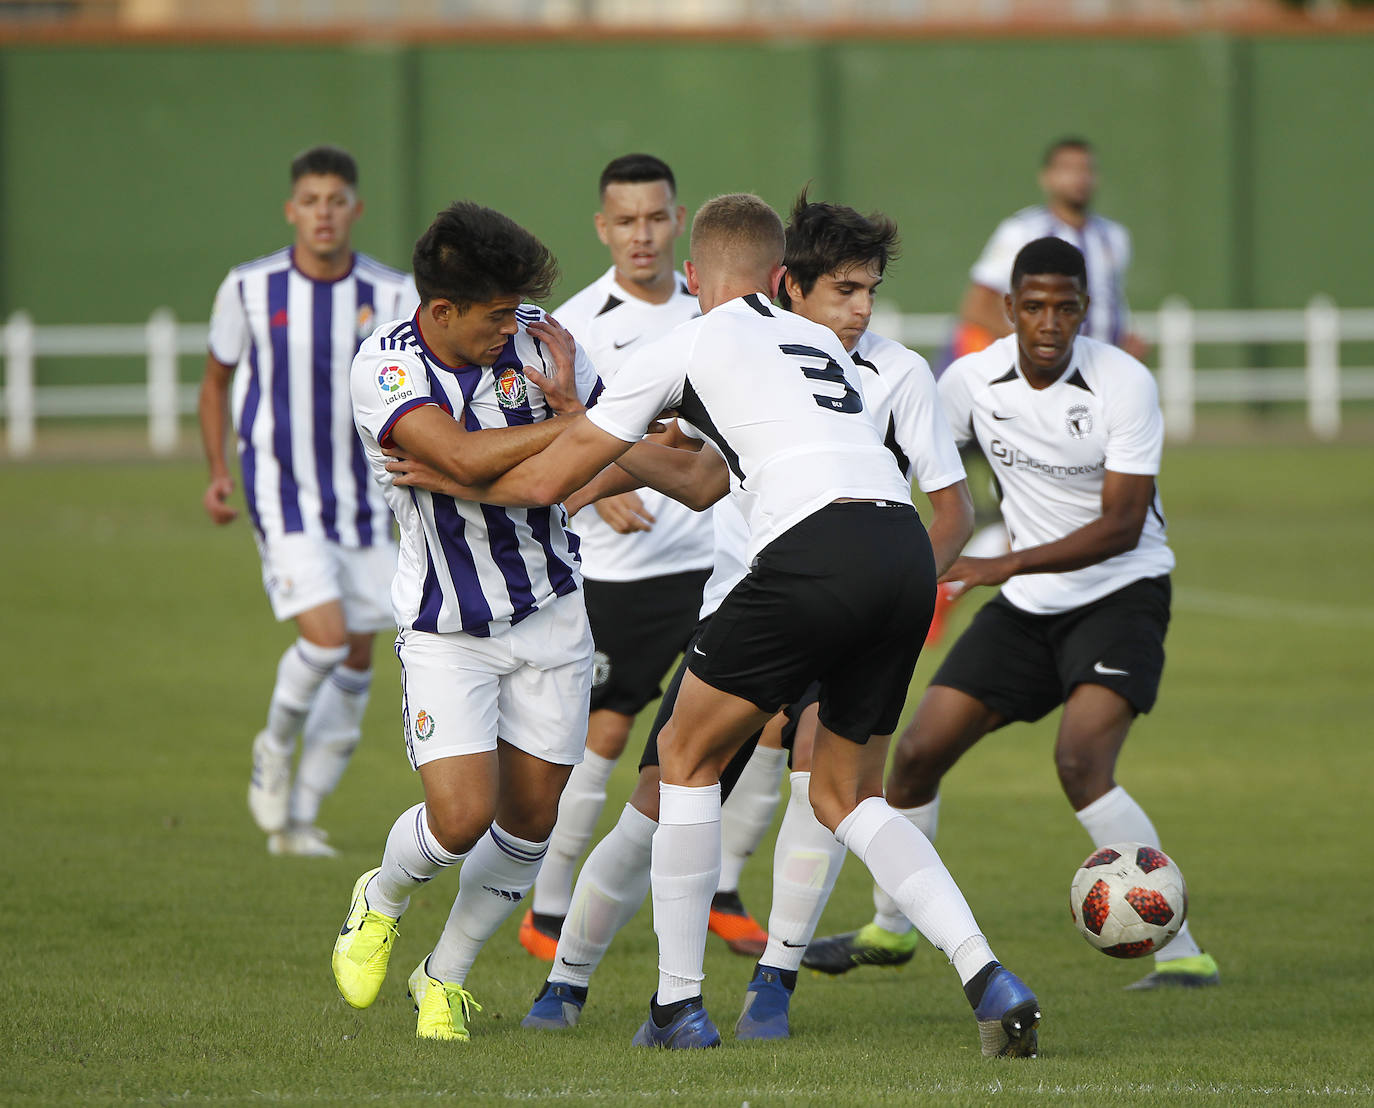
(291, 340)
(612, 325)
(781, 400)
(1106, 247)
(915, 430)
(465, 566)
(1050, 449)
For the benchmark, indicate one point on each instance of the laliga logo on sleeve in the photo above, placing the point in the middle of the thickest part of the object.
(391, 379)
(510, 388)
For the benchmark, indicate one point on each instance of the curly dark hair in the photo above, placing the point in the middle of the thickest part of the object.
(823, 238)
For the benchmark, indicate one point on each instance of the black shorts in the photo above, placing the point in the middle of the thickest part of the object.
(736, 765)
(639, 628)
(1023, 666)
(844, 598)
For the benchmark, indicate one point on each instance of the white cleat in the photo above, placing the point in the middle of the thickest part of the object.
(303, 840)
(269, 789)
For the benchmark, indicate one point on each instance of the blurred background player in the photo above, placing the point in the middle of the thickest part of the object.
(284, 331)
(1068, 180)
(495, 650)
(645, 557)
(1072, 426)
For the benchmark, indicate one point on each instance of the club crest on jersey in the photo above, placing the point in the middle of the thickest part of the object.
(366, 316)
(510, 388)
(601, 669)
(424, 725)
(1079, 421)
(391, 379)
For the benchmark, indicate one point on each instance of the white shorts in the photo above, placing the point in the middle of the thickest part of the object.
(300, 572)
(528, 685)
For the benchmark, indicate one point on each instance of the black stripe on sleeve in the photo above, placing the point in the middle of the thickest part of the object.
(756, 302)
(694, 412)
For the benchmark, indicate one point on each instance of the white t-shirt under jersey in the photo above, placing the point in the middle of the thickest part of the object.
(1106, 248)
(778, 396)
(611, 325)
(1050, 449)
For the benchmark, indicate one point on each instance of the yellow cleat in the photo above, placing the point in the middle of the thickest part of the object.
(363, 948)
(443, 1008)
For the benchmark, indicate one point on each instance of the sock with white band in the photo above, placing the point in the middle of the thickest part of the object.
(330, 735)
(580, 807)
(925, 818)
(904, 863)
(806, 861)
(747, 813)
(300, 673)
(412, 857)
(685, 871)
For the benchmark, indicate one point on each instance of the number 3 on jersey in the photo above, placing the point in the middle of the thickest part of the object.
(850, 402)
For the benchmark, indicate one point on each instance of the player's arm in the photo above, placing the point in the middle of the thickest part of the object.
(213, 407)
(951, 523)
(1126, 499)
(567, 463)
(984, 307)
(694, 478)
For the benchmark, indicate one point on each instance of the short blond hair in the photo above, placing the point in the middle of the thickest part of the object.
(737, 233)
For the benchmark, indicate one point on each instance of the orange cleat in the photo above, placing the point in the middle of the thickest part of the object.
(733, 923)
(539, 935)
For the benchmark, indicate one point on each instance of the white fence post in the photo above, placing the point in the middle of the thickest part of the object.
(161, 334)
(1323, 327)
(1177, 375)
(20, 409)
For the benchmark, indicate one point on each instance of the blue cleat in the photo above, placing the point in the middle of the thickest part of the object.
(1008, 1015)
(765, 1006)
(556, 1008)
(690, 1029)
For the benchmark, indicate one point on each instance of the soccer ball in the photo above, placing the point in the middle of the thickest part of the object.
(1128, 899)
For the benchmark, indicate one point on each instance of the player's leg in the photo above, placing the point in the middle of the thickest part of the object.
(450, 686)
(947, 723)
(333, 727)
(1112, 659)
(640, 628)
(744, 819)
(707, 728)
(845, 793)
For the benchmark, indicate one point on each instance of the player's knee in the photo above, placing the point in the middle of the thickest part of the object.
(915, 774)
(458, 826)
(644, 799)
(1082, 773)
(832, 804)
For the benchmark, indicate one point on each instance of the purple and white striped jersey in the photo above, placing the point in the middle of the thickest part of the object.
(464, 566)
(292, 340)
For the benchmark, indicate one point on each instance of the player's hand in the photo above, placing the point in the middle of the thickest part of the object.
(969, 572)
(215, 500)
(560, 386)
(413, 473)
(626, 513)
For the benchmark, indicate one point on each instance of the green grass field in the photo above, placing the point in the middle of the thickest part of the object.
(153, 952)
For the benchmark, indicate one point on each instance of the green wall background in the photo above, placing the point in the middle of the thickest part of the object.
(135, 175)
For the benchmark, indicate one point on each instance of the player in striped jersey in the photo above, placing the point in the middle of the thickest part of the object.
(283, 332)
(841, 571)
(495, 649)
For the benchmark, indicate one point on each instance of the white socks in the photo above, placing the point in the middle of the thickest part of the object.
(806, 861)
(495, 877)
(300, 673)
(578, 810)
(412, 856)
(685, 871)
(904, 863)
(748, 812)
(925, 818)
(610, 889)
(329, 737)
(1115, 817)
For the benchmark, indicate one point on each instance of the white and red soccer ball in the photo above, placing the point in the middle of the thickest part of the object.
(1128, 899)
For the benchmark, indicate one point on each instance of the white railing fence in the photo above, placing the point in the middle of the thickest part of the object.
(1177, 330)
